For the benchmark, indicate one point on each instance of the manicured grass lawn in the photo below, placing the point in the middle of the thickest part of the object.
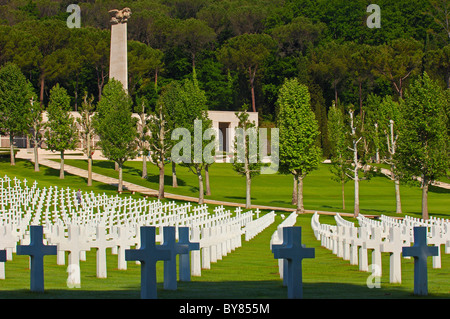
(321, 193)
(250, 272)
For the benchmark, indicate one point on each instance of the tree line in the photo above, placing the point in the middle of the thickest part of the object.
(410, 135)
(241, 50)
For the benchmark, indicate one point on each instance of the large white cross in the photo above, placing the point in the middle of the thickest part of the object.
(148, 255)
(293, 252)
(36, 250)
(420, 251)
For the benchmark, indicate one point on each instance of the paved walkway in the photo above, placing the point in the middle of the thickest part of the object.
(45, 159)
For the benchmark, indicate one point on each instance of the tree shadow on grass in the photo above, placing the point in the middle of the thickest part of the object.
(438, 190)
(226, 290)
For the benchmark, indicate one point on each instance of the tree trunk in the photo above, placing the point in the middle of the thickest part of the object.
(200, 187)
(360, 97)
(120, 186)
(356, 179)
(252, 86)
(425, 198)
(161, 181)
(11, 149)
(300, 207)
(343, 194)
(36, 156)
(397, 196)
(174, 175)
(41, 93)
(248, 198)
(253, 99)
(208, 187)
(335, 93)
(294, 191)
(100, 82)
(61, 168)
(144, 166)
(89, 181)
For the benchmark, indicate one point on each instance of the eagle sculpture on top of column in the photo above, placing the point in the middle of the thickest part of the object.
(120, 16)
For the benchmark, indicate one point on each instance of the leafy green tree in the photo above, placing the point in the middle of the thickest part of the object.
(143, 137)
(37, 124)
(196, 132)
(61, 131)
(246, 151)
(52, 39)
(440, 12)
(423, 140)
(338, 138)
(358, 160)
(193, 36)
(160, 126)
(384, 120)
(96, 49)
(437, 65)
(87, 131)
(247, 54)
(398, 61)
(19, 47)
(296, 36)
(115, 126)
(144, 64)
(330, 63)
(298, 131)
(15, 107)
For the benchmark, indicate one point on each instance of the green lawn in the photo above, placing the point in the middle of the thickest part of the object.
(377, 195)
(250, 272)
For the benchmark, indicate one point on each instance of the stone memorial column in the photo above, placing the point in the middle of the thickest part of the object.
(118, 62)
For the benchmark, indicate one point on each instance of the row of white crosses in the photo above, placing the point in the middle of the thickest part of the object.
(103, 222)
(387, 235)
(277, 239)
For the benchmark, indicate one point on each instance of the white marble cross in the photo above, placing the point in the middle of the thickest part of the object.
(170, 265)
(184, 260)
(293, 252)
(420, 251)
(148, 254)
(74, 245)
(36, 250)
(101, 243)
(393, 245)
(374, 243)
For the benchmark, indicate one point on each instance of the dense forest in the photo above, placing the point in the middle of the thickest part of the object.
(242, 50)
